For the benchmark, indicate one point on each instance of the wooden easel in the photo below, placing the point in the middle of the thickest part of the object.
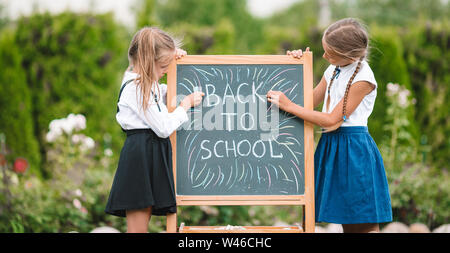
(306, 200)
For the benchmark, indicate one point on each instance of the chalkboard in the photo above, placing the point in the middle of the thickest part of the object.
(236, 148)
(237, 143)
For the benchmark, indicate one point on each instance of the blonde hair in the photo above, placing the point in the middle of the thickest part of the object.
(346, 38)
(150, 46)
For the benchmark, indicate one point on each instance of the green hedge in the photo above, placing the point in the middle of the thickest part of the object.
(247, 29)
(73, 64)
(427, 54)
(16, 117)
(389, 66)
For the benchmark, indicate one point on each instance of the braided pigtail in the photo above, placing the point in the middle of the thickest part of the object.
(347, 89)
(336, 71)
(344, 108)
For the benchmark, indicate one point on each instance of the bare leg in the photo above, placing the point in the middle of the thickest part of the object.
(137, 220)
(361, 228)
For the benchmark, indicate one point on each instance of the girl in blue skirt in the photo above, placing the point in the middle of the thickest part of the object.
(143, 184)
(350, 181)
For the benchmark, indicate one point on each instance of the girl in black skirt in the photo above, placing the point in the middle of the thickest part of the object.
(143, 184)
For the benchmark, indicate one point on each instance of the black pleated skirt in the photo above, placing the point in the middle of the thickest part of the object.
(144, 176)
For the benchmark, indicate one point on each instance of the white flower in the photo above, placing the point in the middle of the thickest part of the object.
(80, 122)
(403, 101)
(405, 92)
(392, 89)
(68, 125)
(403, 98)
(77, 122)
(88, 143)
(55, 127)
(77, 203)
(77, 138)
(51, 136)
(108, 152)
(78, 192)
(73, 122)
(55, 130)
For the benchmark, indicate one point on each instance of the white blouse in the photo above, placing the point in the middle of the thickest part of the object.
(362, 112)
(131, 115)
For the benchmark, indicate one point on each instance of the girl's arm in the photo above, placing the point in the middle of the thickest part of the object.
(356, 94)
(319, 92)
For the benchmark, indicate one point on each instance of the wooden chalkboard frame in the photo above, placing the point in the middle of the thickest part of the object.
(307, 200)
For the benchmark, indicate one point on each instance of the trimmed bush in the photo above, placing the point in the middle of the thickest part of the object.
(427, 54)
(73, 63)
(16, 117)
(388, 65)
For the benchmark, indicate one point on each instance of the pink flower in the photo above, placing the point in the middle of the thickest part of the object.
(77, 203)
(78, 192)
(28, 184)
(20, 165)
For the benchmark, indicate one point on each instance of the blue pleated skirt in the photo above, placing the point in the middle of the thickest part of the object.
(350, 180)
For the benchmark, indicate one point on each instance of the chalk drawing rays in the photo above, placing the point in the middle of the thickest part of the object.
(211, 175)
(245, 175)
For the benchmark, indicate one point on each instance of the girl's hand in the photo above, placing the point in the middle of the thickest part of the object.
(179, 53)
(297, 53)
(192, 100)
(279, 98)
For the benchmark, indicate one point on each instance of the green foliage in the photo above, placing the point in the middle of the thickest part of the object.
(71, 64)
(418, 193)
(388, 12)
(391, 12)
(280, 39)
(300, 14)
(197, 39)
(398, 145)
(73, 199)
(16, 118)
(3, 19)
(388, 65)
(427, 54)
(224, 38)
(247, 29)
(145, 15)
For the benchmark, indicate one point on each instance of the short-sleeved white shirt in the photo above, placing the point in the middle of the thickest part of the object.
(361, 114)
(131, 115)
